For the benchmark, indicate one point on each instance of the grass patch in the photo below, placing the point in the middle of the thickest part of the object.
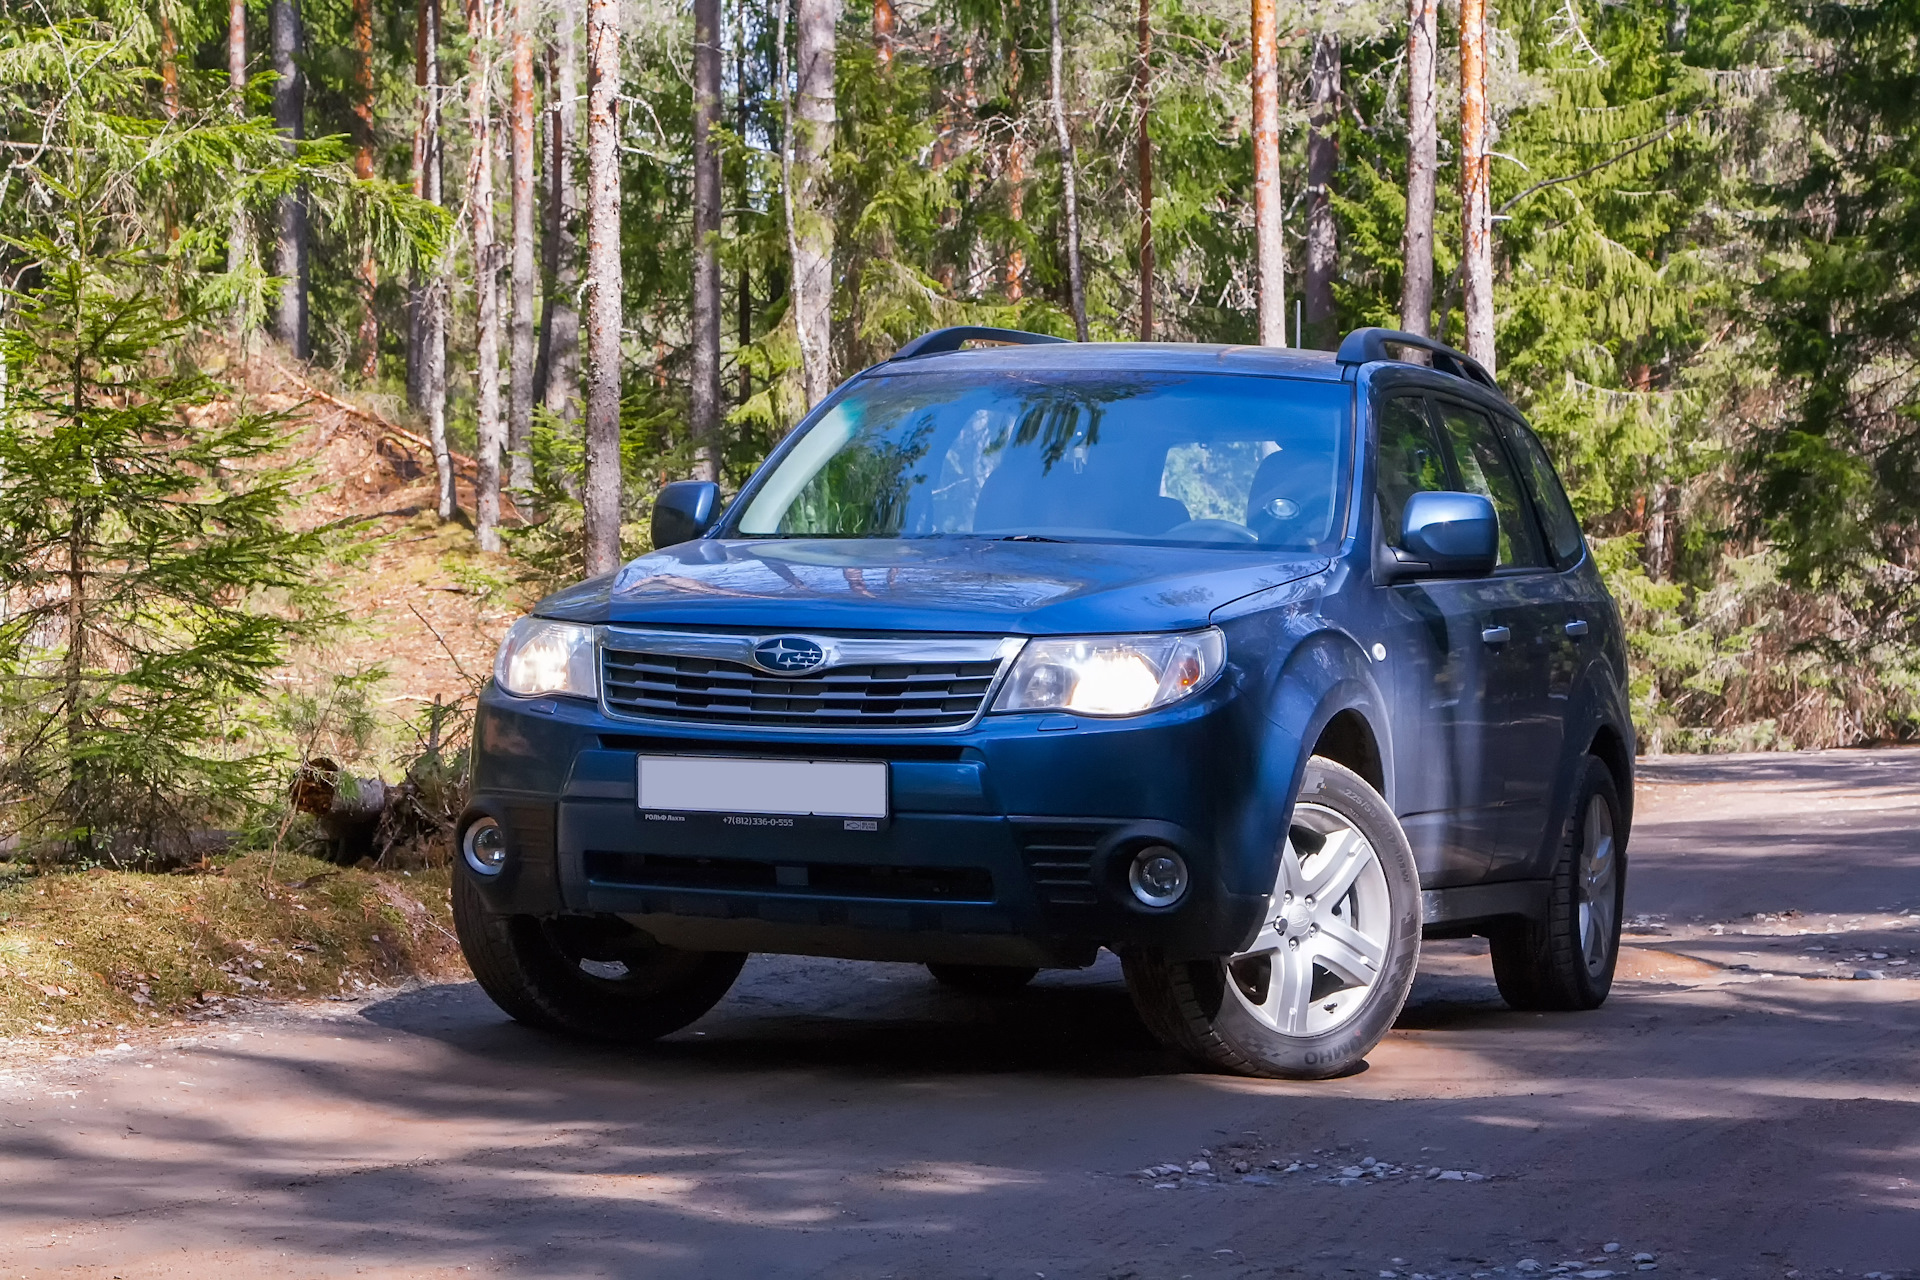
(90, 954)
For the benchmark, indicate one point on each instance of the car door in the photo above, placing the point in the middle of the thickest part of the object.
(1570, 603)
(1522, 723)
(1438, 666)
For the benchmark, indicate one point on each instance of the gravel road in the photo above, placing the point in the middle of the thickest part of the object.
(1744, 1106)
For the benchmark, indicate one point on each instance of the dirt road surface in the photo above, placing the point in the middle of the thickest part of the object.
(1744, 1106)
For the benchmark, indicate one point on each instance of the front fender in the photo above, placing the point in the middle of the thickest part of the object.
(1320, 674)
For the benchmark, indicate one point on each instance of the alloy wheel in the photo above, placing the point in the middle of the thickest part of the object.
(1324, 943)
(1599, 870)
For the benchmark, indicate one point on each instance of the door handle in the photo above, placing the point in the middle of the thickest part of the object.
(1578, 627)
(1497, 635)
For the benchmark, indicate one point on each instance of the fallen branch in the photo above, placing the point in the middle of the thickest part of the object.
(392, 428)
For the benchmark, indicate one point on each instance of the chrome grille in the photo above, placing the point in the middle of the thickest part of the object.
(669, 676)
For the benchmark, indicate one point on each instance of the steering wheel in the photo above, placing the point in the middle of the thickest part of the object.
(1211, 531)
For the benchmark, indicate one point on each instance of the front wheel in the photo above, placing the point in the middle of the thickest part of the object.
(590, 976)
(1334, 958)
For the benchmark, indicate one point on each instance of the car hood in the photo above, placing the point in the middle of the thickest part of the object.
(958, 585)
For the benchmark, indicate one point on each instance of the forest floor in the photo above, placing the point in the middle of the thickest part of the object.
(1746, 1105)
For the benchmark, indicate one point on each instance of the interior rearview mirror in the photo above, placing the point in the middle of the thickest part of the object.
(1448, 535)
(683, 511)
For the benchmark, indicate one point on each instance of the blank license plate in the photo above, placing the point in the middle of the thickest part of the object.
(793, 788)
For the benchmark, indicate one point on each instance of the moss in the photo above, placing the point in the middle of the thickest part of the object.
(89, 954)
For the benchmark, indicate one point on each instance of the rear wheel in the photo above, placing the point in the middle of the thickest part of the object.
(1333, 961)
(590, 976)
(1566, 961)
(983, 979)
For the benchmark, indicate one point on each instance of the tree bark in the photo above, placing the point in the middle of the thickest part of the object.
(1270, 246)
(1475, 198)
(289, 116)
(427, 338)
(240, 234)
(815, 119)
(490, 425)
(169, 65)
(1323, 155)
(706, 241)
(603, 288)
(1416, 281)
(520, 327)
(369, 336)
(1143, 154)
(1016, 213)
(557, 373)
(886, 21)
(1076, 285)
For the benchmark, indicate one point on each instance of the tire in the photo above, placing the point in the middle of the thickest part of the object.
(588, 976)
(983, 979)
(1293, 1011)
(1566, 961)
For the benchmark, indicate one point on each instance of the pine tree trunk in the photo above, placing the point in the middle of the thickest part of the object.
(1270, 246)
(240, 233)
(706, 241)
(427, 337)
(815, 119)
(743, 297)
(1143, 154)
(369, 336)
(490, 424)
(557, 375)
(1076, 285)
(1323, 155)
(603, 288)
(1475, 198)
(1016, 213)
(886, 20)
(289, 116)
(520, 326)
(1416, 281)
(169, 66)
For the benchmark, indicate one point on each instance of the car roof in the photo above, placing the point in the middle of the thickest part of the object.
(1131, 357)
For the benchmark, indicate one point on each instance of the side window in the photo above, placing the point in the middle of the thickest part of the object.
(1410, 461)
(1485, 469)
(1549, 498)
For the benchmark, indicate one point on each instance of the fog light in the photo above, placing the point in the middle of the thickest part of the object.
(485, 845)
(1158, 876)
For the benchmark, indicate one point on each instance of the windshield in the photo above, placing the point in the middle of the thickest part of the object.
(1148, 457)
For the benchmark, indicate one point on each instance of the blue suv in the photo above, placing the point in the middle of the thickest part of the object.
(1252, 665)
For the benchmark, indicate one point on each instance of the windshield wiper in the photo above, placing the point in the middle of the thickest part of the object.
(1025, 537)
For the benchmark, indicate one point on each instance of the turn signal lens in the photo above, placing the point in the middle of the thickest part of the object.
(539, 656)
(1112, 675)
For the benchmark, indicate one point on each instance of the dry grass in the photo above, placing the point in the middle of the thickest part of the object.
(89, 955)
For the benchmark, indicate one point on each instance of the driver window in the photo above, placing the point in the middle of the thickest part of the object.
(1410, 461)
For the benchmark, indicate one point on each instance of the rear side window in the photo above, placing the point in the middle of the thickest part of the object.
(1485, 469)
(1549, 498)
(1410, 461)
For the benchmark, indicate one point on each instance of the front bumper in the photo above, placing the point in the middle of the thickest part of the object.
(1008, 842)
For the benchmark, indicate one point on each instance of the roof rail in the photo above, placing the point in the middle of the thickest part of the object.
(1364, 346)
(944, 340)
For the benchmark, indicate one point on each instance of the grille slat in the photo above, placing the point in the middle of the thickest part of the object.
(668, 686)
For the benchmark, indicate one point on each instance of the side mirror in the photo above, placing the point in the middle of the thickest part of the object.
(685, 510)
(1448, 535)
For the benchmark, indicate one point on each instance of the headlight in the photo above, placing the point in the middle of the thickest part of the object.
(539, 656)
(1112, 675)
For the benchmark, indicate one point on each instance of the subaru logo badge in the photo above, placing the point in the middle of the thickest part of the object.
(789, 654)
